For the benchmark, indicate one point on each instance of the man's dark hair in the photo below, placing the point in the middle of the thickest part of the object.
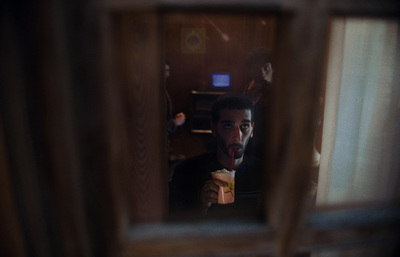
(231, 101)
(259, 56)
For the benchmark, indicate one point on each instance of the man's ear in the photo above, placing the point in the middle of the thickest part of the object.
(213, 128)
(252, 129)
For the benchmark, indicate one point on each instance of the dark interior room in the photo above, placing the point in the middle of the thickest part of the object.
(86, 91)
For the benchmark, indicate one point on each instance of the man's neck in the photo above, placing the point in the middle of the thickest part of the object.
(225, 161)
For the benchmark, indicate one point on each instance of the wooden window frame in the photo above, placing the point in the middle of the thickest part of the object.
(184, 239)
(73, 135)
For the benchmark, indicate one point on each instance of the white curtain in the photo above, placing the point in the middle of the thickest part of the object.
(360, 155)
(360, 148)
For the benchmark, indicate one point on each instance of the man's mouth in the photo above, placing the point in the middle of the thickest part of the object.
(235, 147)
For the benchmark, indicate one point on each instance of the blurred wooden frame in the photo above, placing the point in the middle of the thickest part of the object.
(99, 180)
(306, 24)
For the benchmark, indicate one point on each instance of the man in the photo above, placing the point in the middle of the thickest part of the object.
(172, 124)
(192, 187)
(259, 90)
(180, 118)
(259, 64)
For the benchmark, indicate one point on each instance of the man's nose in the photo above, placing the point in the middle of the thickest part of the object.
(237, 135)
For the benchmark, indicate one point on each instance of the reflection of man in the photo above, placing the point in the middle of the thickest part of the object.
(179, 119)
(172, 124)
(192, 187)
(259, 63)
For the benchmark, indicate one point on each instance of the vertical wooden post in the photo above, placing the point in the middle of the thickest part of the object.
(301, 48)
(144, 102)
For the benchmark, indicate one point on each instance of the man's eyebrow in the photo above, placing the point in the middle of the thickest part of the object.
(227, 121)
(246, 120)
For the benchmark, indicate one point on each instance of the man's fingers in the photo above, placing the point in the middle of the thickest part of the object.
(209, 192)
(210, 200)
(212, 186)
(219, 182)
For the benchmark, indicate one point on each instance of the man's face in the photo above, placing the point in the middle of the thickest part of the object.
(261, 72)
(234, 130)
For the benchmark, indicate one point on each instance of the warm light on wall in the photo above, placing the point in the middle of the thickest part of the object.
(224, 36)
(262, 21)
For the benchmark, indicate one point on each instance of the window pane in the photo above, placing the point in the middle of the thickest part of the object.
(359, 159)
(201, 50)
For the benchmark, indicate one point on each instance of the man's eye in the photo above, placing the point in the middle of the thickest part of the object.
(245, 126)
(227, 126)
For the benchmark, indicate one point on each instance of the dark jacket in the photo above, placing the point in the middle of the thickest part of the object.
(190, 176)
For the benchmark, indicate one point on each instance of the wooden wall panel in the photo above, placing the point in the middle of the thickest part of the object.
(192, 71)
(144, 115)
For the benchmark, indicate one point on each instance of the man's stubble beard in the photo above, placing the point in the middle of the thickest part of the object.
(226, 149)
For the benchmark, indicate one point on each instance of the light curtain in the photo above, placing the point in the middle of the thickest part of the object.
(360, 155)
(360, 148)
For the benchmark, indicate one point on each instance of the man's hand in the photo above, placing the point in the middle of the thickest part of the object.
(179, 119)
(209, 192)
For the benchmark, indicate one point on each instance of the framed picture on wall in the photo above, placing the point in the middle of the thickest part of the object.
(193, 40)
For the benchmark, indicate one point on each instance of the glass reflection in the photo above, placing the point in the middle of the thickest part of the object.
(209, 56)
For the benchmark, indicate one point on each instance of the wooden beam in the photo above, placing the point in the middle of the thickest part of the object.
(338, 227)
